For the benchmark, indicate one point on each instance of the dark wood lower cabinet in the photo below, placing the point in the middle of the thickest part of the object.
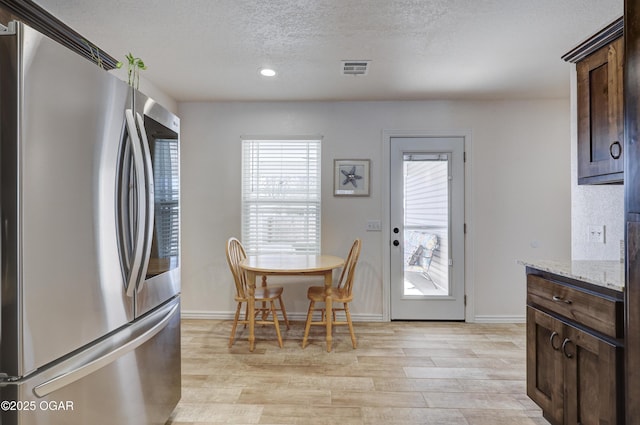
(545, 377)
(571, 374)
(575, 351)
(592, 369)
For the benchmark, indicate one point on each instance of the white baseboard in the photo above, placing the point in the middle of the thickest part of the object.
(500, 319)
(228, 315)
(206, 315)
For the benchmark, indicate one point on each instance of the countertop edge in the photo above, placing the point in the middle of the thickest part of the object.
(607, 274)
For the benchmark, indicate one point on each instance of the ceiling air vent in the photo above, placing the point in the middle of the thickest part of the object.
(355, 67)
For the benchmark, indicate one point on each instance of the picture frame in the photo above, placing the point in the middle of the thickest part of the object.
(351, 177)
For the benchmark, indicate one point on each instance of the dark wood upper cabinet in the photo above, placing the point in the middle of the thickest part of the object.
(600, 115)
(599, 64)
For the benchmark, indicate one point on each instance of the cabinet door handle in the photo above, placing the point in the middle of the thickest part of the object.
(564, 348)
(554, 334)
(561, 300)
(618, 150)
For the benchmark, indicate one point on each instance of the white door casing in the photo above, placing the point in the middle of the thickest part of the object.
(426, 251)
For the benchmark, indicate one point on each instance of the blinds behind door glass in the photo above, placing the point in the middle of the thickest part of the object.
(281, 196)
(167, 192)
(426, 185)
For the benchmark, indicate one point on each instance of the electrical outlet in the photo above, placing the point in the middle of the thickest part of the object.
(374, 226)
(595, 233)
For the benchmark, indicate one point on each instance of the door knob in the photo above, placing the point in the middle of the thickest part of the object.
(396, 243)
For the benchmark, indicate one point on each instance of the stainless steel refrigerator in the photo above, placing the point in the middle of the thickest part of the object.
(90, 242)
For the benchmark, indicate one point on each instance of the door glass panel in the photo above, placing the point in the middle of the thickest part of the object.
(426, 192)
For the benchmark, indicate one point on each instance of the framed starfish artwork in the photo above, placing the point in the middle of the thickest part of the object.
(351, 177)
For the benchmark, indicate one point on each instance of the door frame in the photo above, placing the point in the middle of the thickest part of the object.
(387, 135)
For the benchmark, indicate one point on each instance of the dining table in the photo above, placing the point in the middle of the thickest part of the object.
(289, 265)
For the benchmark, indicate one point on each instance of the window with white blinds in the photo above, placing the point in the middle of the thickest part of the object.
(281, 196)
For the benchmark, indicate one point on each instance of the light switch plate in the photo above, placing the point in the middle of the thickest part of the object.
(374, 226)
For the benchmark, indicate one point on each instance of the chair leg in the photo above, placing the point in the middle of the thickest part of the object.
(348, 314)
(284, 312)
(307, 325)
(246, 316)
(275, 322)
(265, 312)
(235, 325)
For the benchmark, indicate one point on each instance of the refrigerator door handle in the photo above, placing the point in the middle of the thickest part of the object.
(93, 361)
(150, 202)
(123, 208)
(141, 193)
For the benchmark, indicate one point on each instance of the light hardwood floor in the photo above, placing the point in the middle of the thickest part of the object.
(401, 373)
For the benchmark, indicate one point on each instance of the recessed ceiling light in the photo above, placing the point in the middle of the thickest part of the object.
(267, 72)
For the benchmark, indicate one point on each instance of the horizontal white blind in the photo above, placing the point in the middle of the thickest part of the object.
(166, 181)
(426, 185)
(281, 196)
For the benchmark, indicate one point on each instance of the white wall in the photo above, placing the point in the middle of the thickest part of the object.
(517, 192)
(593, 204)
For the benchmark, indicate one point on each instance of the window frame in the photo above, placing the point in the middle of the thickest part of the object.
(266, 227)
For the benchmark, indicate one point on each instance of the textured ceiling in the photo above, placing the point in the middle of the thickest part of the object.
(202, 50)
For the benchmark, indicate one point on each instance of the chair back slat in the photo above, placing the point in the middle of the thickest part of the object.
(345, 282)
(235, 254)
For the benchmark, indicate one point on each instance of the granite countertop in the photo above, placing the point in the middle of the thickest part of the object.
(608, 274)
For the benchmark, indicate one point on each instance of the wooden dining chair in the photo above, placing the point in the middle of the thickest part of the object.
(265, 296)
(342, 293)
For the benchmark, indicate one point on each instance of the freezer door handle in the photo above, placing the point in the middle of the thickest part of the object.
(93, 360)
(141, 193)
(150, 202)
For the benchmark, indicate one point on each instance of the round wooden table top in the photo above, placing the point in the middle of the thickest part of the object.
(291, 263)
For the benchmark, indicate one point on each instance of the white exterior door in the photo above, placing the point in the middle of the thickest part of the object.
(427, 228)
